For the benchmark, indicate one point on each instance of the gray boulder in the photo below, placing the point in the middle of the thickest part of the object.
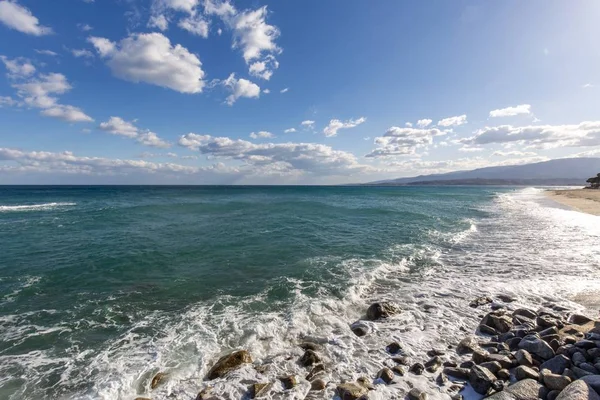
(593, 381)
(524, 358)
(386, 375)
(228, 363)
(384, 309)
(556, 382)
(527, 389)
(467, 345)
(457, 372)
(481, 379)
(556, 365)
(416, 394)
(537, 346)
(523, 372)
(578, 390)
(525, 313)
(351, 391)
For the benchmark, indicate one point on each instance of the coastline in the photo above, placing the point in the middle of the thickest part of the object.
(583, 200)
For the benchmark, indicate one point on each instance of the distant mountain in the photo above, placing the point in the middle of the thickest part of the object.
(564, 171)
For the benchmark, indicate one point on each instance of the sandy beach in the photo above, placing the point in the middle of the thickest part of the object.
(584, 200)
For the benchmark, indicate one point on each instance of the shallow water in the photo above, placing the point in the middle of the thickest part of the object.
(102, 287)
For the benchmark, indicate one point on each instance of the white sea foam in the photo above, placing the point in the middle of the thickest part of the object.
(34, 207)
(526, 249)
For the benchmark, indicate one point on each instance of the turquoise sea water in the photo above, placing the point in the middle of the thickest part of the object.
(102, 287)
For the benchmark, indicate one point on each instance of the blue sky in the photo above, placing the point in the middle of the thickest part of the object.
(207, 91)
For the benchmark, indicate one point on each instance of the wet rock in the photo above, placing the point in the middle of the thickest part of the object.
(404, 360)
(578, 390)
(556, 365)
(527, 389)
(417, 368)
(288, 382)
(580, 373)
(359, 328)
(467, 364)
(577, 319)
(229, 363)
(536, 346)
(497, 320)
(481, 379)
(318, 385)
(487, 330)
(556, 382)
(386, 375)
(523, 372)
(498, 386)
(506, 298)
(441, 379)
(586, 344)
(393, 348)
(593, 381)
(398, 370)
(549, 331)
(310, 346)
(417, 394)
(513, 343)
(503, 374)
(142, 398)
(467, 345)
(259, 389)
(589, 368)
(594, 353)
(351, 391)
(493, 366)
(460, 373)
(381, 310)
(503, 360)
(547, 321)
(555, 344)
(317, 369)
(480, 356)
(158, 379)
(552, 395)
(309, 358)
(525, 313)
(433, 364)
(364, 382)
(578, 358)
(480, 301)
(206, 394)
(523, 357)
(449, 363)
(436, 352)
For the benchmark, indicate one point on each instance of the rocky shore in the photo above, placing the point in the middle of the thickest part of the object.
(516, 353)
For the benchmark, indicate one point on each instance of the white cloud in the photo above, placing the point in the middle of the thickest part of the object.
(290, 130)
(262, 135)
(403, 141)
(540, 136)
(219, 31)
(308, 123)
(120, 127)
(511, 111)
(18, 67)
(587, 85)
(424, 123)
(84, 27)
(158, 21)
(82, 53)
(500, 153)
(7, 101)
(408, 124)
(440, 166)
(284, 90)
(151, 58)
(21, 19)
(453, 121)
(240, 88)
(264, 69)
(46, 52)
(470, 149)
(196, 25)
(335, 125)
(589, 153)
(187, 6)
(67, 113)
(266, 91)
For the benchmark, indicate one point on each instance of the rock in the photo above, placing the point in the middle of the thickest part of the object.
(205, 394)
(318, 385)
(441, 379)
(586, 344)
(525, 313)
(158, 379)
(467, 345)
(288, 382)
(398, 370)
(351, 391)
(503, 374)
(317, 369)
(556, 365)
(578, 358)
(460, 373)
(549, 331)
(393, 347)
(513, 343)
(577, 319)
(498, 321)
(593, 381)
(537, 346)
(480, 356)
(436, 352)
(503, 360)
(594, 353)
(416, 394)
(480, 301)
(259, 389)
(527, 389)
(386, 375)
(556, 382)
(360, 328)
(547, 321)
(589, 368)
(449, 363)
(310, 346)
(578, 390)
(493, 366)
(433, 364)
(506, 298)
(366, 383)
(498, 386)
(381, 310)
(580, 373)
(404, 360)
(309, 358)
(487, 330)
(523, 357)
(142, 398)
(523, 372)
(555, 344)
(229, 363)
(417, 369)
(481, 379)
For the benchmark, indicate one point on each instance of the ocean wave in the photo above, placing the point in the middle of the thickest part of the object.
(34, 207)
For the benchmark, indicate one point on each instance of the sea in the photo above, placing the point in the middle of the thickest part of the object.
(103, 287)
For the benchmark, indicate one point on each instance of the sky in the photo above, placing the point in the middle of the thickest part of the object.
(292, 92)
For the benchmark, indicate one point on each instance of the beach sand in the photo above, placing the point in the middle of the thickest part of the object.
(584, 200)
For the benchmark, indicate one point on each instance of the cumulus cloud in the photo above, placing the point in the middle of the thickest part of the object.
(7, 101)
(335, 125)
(262, 135)
(403, 141)
(408, 124)
(287, 158)
(19, 18)
(522, 109)
(266, 91)
(158, 21)
(424, 123)
(82, 53)
(120, 127)
(196, 25)
(41, 90)
(290, 130)
(150, 58)
(264, 69)
(307, 123)
(587, 85)
(539, 136)
(240, 88)
(453, 121)
(84, 27)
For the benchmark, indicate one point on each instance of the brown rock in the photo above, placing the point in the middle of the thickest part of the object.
(351, 391)
(309, 358)
(317, 369)
(318, 385)
(288, 382)
(381, 310)
(259, 389)
(386, 375)
(229, 363)
(158, 379)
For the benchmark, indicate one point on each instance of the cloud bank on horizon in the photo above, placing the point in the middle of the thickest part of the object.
(221, 91)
